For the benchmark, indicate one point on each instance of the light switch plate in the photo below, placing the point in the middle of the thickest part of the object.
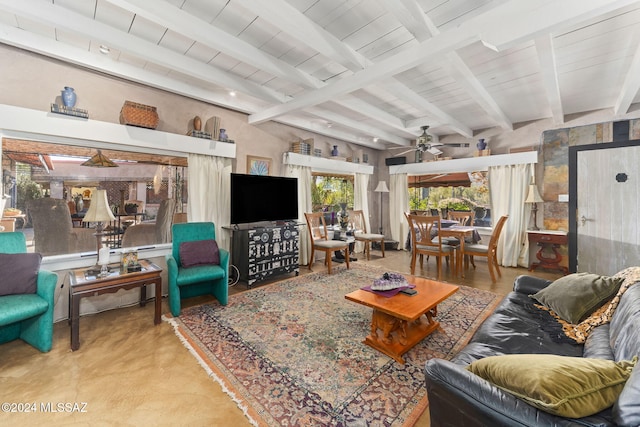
(563, 197)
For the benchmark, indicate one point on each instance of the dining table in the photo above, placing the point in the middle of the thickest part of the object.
(462, 233)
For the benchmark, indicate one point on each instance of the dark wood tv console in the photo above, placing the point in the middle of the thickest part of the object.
(263, 252)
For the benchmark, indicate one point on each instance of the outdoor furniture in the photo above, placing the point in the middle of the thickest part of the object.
(320, 240)
(28, 316)
(150, 233)
(361, 234)
(204, 276)
(53, 231)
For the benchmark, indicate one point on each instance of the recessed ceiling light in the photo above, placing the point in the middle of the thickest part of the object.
(375, 139)
(232, 93)
(329, 124)
(104, 49)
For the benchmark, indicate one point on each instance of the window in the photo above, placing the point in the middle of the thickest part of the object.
(331, 194)
(452, 191)
(29, 173)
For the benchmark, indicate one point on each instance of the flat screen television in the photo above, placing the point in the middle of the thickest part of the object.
(257, 198)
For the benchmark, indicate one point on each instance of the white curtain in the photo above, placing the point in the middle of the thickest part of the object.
(398, 205)
(303, 173)
(210, 193)
(508, 186)
(361, 202)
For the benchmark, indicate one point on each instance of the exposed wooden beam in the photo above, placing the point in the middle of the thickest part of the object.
(297, 25)
(174, 18)
(631, 84)
(330, 132)
(412, 16)
(64, 18)
(49, 47)
(468, 80)
(353, 124)
(549, 71)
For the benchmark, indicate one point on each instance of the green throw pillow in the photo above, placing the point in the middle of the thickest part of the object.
(576, 296)
(573, 387)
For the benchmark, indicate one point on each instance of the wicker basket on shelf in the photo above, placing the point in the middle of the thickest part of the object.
(140, 115)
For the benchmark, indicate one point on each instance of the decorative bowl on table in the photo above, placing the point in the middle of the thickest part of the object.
(389, 281)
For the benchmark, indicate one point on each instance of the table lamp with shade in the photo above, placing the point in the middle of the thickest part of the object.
(534, 198)
(99, 212)
(381, 188)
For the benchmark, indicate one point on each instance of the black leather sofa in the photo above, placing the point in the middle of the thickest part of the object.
(457, 397)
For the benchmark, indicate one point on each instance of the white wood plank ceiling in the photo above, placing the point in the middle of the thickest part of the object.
(369, 72)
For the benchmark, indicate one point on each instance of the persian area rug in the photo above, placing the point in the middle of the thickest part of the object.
(291, 353)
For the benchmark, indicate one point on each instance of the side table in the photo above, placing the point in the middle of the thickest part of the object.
(548, 239)
(85, 284)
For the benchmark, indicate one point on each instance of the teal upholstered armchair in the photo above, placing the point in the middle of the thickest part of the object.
(27, 316)
(204, 277)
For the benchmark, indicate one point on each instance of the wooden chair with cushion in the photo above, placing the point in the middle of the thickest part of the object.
(425, 240)
(358, 223)
(489, 251)
(26, 294)
(320, 240)
(196, 266)
(464, 218)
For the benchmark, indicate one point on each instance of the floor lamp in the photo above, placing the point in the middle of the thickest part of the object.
(534, 198)
(381, 188)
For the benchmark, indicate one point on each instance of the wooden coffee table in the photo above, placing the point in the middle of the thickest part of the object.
(397, 323)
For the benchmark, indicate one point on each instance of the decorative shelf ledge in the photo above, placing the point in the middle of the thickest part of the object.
(34, 125)
(467, 164)
(321, 164)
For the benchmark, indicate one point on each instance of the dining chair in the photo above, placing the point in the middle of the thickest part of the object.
(463, 218)
(489, 251)
(361, 234)
(320, 239)
(425, 240)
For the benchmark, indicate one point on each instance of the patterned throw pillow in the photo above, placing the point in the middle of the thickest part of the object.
(603, 315)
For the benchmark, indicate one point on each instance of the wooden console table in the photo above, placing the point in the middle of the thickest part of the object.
(86, 284)
(548, 239)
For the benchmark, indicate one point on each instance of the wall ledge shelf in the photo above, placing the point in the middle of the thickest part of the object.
(35, 125)
(467, 164)
(321, 164)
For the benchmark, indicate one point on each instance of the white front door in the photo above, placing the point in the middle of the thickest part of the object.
(608, 204)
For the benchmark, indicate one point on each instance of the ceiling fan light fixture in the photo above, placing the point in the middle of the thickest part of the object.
(99, 160)
(425, 138)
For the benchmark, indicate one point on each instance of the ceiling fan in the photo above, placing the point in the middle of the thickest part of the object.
(423, 144)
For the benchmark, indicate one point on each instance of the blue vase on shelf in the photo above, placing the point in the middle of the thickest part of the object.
(334, 152)
(481, 145)
(68, 97)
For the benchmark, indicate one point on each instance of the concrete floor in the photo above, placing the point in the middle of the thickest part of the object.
(130, 372)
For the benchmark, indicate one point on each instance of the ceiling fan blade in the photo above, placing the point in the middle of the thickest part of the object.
(404, 152)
